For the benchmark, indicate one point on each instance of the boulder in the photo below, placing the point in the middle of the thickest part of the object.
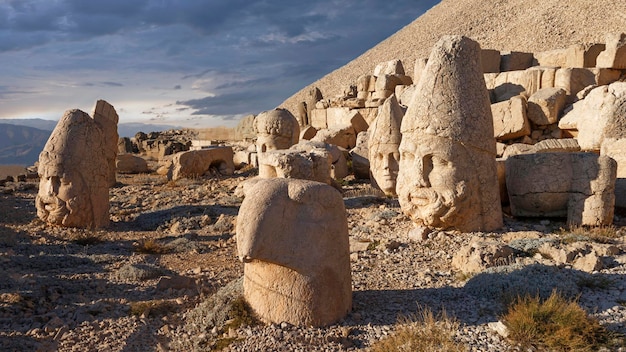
(545, 106)
(131, 164)
(196, 163)
(509, 119)
(614, 56)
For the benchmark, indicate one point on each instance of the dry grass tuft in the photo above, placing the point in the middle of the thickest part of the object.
(150, 246)
(555, 324)
(424, 332)
(600, 234)
(87, 237)
(157, 307)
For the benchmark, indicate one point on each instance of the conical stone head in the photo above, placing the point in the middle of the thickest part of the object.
(447, 176)
(383, 143)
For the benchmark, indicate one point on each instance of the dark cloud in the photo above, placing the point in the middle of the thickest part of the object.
(246, 55)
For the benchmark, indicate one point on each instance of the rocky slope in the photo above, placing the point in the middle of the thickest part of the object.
(514, 25)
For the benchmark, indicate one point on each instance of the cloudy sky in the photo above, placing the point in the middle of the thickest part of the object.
(197, 63)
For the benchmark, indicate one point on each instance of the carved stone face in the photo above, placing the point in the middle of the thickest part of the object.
(63, 199)
(384, 160)
(435, 180)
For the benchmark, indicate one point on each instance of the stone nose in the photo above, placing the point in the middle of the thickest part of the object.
(422, 175)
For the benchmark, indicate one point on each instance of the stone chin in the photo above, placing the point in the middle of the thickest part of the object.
(438, 209)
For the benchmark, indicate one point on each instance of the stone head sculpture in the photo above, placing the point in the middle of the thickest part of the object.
(276, 129)
(383, 143)
(447, 176)
(74, 174)
(292, 235)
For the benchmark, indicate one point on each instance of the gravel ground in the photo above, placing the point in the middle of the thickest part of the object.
(162, 276)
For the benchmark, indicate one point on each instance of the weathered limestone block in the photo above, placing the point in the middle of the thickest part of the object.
(314, 165)
(515, 61)
(615, 148)
(339, 164)
(342, 136)
(195, 163)
(340, 117)
(578, 186)
(369, 114)
(574, 80)
(481, 254)
(577, 55)
(506, 85)
(383, 142)
(74, 173)
(131, 164)
(318, 119)
(447, 176)
(276, 129)
(308, 132)
(594, 116)
(566, 145)
(393, 67)
(360, 157)
(490, 60)
(300, 274)
(614, 56)
(509, 119)
(545, 106)
(105, 116)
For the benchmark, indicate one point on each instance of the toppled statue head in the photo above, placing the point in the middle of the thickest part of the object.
(447, 176)
(276, 129)
(74, 174)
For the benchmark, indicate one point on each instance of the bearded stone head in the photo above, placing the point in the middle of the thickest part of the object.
(73, 171)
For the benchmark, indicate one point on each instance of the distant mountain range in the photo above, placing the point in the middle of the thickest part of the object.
(21, 140)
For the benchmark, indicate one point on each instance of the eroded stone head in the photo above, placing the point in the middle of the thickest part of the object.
(276, 129)
(73, 170)
(447, 176)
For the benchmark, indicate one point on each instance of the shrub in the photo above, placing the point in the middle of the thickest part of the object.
(423, 332)
(555, 324)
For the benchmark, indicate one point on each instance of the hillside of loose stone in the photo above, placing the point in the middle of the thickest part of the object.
(506, 25)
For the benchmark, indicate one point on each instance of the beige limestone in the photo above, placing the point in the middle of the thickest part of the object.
(195, 163)
(506, 85)
(447, 176)
(383, 142)
(131, 164)
(420, 65)
(339, 164)
(74, 173)
(337, 118)
(308, 132)
(577, 55)
(105, 116)
(360, 157)
(318, 119)
(546, 105)
(392, 67)
(614, 56)
(509, 119)
(276, 129)
(314, 165)
(481, 254)
(342, 136)
(579, 186)
(300, 274)
(594, 116)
